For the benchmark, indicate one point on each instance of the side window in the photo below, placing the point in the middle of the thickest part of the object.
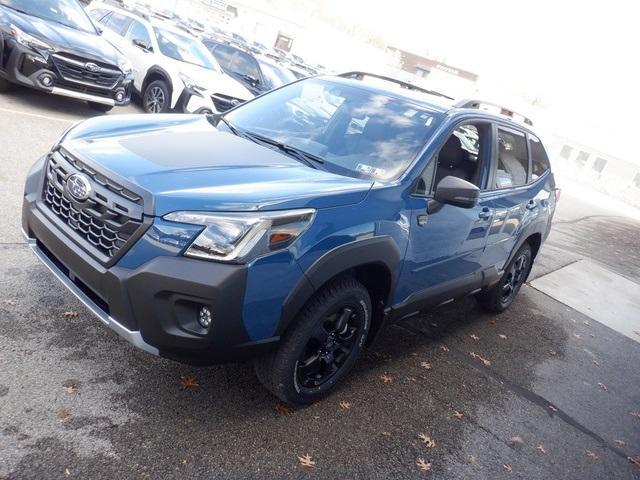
(138, 31)
(513, 161)
(462, 155)
(539, 158)
(118, 23)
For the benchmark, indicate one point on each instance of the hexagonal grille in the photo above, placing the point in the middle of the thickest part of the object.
(105, 221)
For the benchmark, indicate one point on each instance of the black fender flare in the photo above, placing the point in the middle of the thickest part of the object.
(382, 250)
(159, 70)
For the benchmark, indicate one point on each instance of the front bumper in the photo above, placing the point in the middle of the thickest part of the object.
(27, 67)
(154, 305)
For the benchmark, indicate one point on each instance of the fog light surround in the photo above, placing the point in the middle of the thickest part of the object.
(205, 317)
(120, 94)
(46, 79)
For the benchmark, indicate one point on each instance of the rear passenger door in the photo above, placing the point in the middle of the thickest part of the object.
(511, 196)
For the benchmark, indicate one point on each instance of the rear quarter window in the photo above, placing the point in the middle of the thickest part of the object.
(539, 158)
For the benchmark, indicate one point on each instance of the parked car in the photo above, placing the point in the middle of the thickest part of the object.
(287, 232)
(52, 46)
(257, 74)
(171, 69)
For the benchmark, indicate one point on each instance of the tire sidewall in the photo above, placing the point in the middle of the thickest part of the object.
(350, 298)
(525, 249)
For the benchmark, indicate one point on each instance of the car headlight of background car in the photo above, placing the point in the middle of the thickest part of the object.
(30, 41)
(126, 67)
(239, 237)
(191, 84)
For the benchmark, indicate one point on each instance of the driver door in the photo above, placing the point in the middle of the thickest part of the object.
(141, 58)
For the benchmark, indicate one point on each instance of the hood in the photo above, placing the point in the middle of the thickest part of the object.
(187, 164)
(65, 39)
(215, 82)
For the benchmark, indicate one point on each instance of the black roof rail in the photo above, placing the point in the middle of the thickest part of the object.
(507, 112)
(409, 86)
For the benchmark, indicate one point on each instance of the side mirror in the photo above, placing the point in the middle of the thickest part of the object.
(141, 44)
(457, 192)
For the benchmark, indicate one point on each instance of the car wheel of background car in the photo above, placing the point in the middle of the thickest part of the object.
(100, 107)
(156, 98)
(321, 346)
(500, 297)
(4, 85)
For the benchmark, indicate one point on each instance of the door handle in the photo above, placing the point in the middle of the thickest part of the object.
(531, 204)
(485, 213)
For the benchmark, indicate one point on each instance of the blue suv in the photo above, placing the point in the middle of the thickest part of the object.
(293, 227)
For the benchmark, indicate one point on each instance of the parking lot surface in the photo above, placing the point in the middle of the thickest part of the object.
(542, 391)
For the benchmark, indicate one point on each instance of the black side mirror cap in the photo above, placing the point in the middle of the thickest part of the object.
(457, 192)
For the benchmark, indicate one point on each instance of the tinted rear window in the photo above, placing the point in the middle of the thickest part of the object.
(539, 158)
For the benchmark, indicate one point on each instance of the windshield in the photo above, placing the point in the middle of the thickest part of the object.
(357, 132)
(65, 12)
(185, 49)
(274, 76)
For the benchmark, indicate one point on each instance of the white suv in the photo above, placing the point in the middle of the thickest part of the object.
(172, 69)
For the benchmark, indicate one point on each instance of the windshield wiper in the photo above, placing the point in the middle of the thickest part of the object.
(307, 158)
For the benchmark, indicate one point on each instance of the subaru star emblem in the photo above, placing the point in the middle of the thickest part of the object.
(92, 67)
(78, 187)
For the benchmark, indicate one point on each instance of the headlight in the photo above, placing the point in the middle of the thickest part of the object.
(240, 236)
(29, 40)
(190, 83)
(125, 66)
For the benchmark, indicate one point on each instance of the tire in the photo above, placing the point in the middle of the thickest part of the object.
(502, 295)
(344, 304)
(100, 107)
(5, 85)
(156, 97)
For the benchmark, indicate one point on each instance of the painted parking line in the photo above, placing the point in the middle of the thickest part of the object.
(37, 115)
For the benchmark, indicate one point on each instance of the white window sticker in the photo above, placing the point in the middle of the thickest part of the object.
(369, 170)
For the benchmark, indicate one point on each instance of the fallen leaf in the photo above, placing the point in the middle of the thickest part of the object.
(71, 314)
(444, 348)
(457, 414)
(472, 458)
(492, 322)
(189, 382)
(603, 386)
(183, 461)
(428, 441)
(425, 365)
(635, 460)
(283, 408)
(541, 448)
(8, 302)
(386, 378)
(553, 352)
(345, 405)
(474, 337)
(64, 415)
(386, 434)
(486, 362)
(306, 461)
(552, 408)
(517, 440)
(592, 455)
(595, 362)
(70, 386)
(502, 336)
(67, 472)
(577, 335)
(422, 465)
(507, 467)
(620, 443)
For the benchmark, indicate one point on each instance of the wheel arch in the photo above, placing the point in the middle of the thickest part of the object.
(157, 73)
(374, 262)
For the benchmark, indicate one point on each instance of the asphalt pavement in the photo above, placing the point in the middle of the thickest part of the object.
(539, 392)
